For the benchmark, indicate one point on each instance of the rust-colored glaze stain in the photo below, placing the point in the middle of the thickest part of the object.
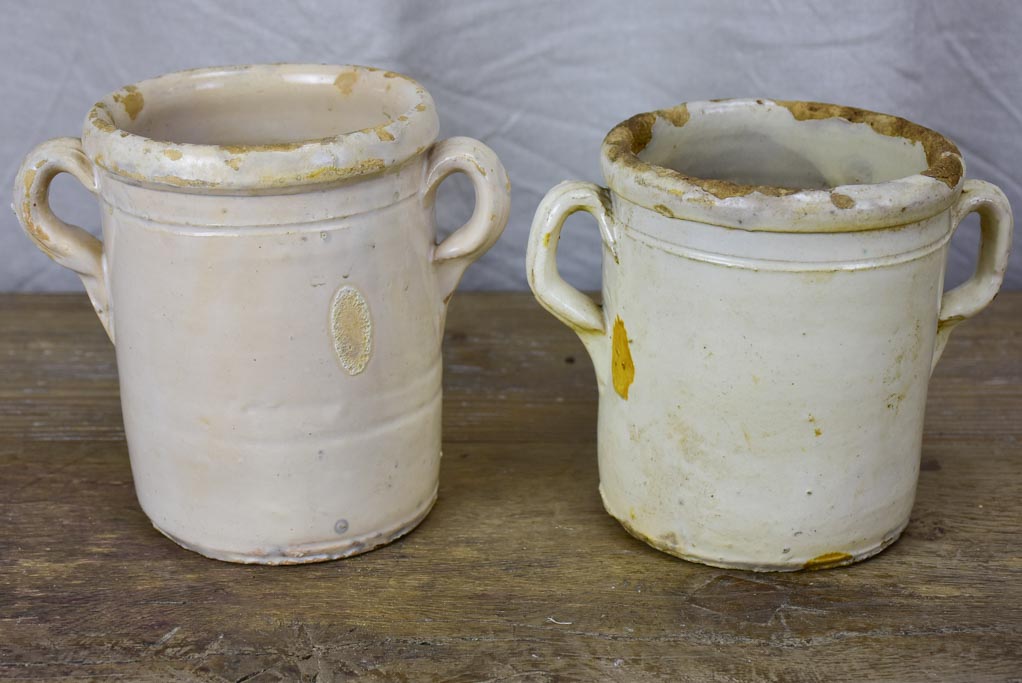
(351, 329)
(827, 560)
(622, 368)
(678, 116)
(131, 100)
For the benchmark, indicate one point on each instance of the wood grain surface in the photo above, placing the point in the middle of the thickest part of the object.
(518, 574)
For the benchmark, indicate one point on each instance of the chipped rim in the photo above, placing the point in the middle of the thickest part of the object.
(212, 168)
(843, 208)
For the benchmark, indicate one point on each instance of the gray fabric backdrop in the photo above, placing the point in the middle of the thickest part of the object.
(539, 81)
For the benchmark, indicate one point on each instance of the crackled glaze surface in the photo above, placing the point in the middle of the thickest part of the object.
(270, 273)
(773, 307)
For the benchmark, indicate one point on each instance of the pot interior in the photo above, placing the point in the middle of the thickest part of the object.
(760, 143)
(261, 106)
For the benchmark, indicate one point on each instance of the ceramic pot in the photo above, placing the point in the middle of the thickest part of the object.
(270, 275)
(773, 307)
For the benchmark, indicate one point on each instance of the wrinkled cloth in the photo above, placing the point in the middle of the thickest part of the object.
(540, 81)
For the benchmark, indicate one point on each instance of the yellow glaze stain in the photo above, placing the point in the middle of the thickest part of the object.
(131, 100)
(345, 82)
(827, 560)
(102, 124)
(271, 147)
(172, 154)
(26, 213)
(841, 201)
(351, 329)
(178, 181)
(328, 173)
(482, 171)
(622, 368)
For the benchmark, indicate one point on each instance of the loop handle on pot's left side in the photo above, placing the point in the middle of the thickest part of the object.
(972, 296)
(567, 304)
(493, 205)
(68, 245)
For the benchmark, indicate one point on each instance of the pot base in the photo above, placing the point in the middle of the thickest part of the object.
(312, 552)
(829, 561)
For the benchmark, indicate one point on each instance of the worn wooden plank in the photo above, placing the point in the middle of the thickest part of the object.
(507, 364)
(517, 574)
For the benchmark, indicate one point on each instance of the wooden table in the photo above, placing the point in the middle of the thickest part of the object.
(518, 574)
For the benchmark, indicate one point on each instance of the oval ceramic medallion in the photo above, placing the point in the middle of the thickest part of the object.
(351, 329)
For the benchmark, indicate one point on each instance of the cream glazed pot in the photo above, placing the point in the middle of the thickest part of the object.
(773, 307)
(270, 275)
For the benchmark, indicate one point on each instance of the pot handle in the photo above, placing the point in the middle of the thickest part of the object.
(972, 296)
(493, 205)
(567, 304)
(68, 245)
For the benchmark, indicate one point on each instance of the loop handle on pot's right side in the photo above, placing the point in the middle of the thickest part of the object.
(492, 208)
(972, 296)
(573, 308)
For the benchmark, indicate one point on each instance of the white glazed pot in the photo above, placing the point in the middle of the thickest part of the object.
(270, 275)
(772, 311)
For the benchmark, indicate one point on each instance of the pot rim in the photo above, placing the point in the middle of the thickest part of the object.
(226, 168)
(842, 208)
